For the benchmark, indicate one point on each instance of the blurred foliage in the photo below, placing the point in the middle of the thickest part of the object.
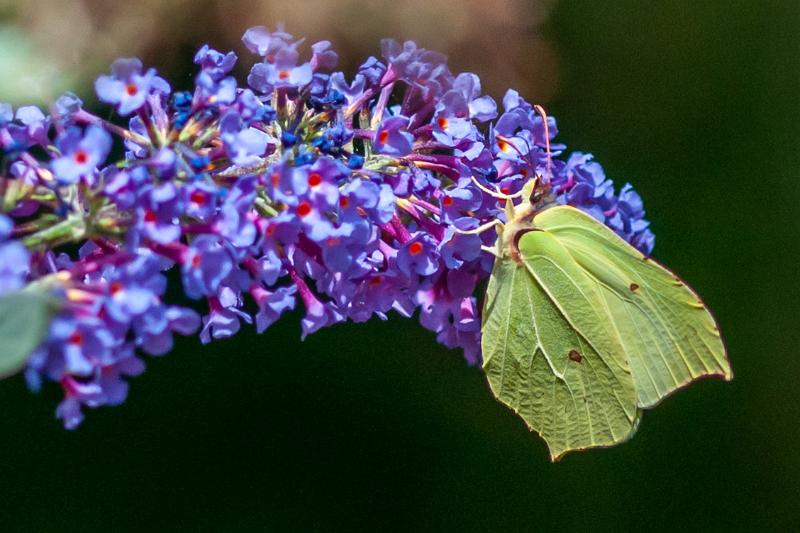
(374, 426)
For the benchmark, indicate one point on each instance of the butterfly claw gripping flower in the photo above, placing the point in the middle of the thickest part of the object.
(348, 197)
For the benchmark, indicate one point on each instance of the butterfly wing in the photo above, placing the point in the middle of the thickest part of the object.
(575, 393)
(668, 335)
(583, 331)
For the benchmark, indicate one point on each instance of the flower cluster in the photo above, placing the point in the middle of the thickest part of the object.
(346, 196)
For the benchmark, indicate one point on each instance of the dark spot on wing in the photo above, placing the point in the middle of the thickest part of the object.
(574, 355)
(633, 287)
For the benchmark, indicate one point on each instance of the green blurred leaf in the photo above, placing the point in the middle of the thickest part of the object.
(24, 317)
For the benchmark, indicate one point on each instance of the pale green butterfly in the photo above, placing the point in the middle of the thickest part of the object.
(581, 331)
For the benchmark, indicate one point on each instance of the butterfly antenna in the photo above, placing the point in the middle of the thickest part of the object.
(539, 109)
(495, 193)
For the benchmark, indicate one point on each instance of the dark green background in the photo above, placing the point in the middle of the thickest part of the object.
(377, 427)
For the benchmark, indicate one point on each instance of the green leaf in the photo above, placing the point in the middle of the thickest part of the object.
(581, 331)
(24, 319)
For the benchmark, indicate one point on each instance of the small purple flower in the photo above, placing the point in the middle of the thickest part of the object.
(215, 92)
(65, 107)
(457, 248)
(156, 216)
(261, 41)
(234, 222)
(284, 72)
(323, 56)
(224, 317)
(14, 259)
(127, 88)
(75, 395)
(158, 340)
(205, 264)
(84, 344)
(458, 202)
(420, 256)
(245, 145)
(82, 154)
(32, 126)
(391, 137)
(271, 305)
(214, 63)
(376, 201)
(114, 388)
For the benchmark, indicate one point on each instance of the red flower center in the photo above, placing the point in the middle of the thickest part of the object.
(344, 202)
(131, 89)
(314, 179)
(442, 122)
(76, 338)
(115, 287)
(383, 136)
(81, 157)
(304, 209)
(196, 260)
(150, 217)
(283, 74)
(197, 197)
(415, 248)
(447, 201)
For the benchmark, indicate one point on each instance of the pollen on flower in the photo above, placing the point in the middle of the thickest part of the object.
(197, 198)
(415, 248)
(304, 209)
(76, 339)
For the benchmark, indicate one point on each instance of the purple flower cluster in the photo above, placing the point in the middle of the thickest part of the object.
(347, 198)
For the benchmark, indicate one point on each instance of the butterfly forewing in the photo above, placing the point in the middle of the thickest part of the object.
(668, 335)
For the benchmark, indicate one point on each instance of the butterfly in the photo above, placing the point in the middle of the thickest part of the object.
(581, 331)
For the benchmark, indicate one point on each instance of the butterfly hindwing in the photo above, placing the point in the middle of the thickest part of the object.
(541, 367)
